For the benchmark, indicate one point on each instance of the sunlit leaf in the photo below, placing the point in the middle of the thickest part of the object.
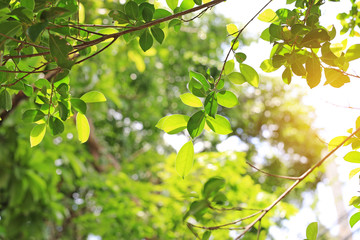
(196, 124)
(335, 78)
(268, 16)
(173, 124)
(353, 172)
(250, 74)
(79, 105)
(211, 104)
(353, 52)
(199, 77)
(354, 219)
(172, 3)
(82, 127)
(312, 231)
(236, 78)
(229, 67)
(353, 157)
(37, 134)
(93, 96)
(32, 115)
(184, 159)
(191, 100)
(227, 99)
(219, 124)
(335, 142)
(232, 29)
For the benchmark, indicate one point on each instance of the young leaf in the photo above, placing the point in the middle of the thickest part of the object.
(158, 34)
(227, 99)
(212, 186)
(335, 142)
(79, 105)
(37, 134)
(231, 29)
(5, 100)
(353, 157)
(240, 57)
(286, 75)
(184, 159)
(353, 172)
(312, 231)
(191, 100)
(172, 3)
(250, 74)
(93, 96)
(268, 16)
(229, 67)
(173, 124)
(236, 78)
(56, 125)
(353, 53)
(82, 127)
(146, 41)
(196, 88)
(206, 235)
(354, 219)
(219, 124)
(211, 104)
(59, 49)
(196, 124)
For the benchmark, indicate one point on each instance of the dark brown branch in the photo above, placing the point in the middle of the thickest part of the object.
(302, 177)
(272, 175)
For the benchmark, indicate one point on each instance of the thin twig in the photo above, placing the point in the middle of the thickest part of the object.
(259, 230)
(23, 42)
(234, 209)
(197, 16)
(272, 175)
(236, 38)
(302, 177)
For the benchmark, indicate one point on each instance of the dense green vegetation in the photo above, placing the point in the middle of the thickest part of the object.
(93, 100)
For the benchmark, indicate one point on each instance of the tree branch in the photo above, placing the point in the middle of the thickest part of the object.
(272, 175)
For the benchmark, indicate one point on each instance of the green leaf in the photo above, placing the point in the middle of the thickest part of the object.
(158, 34)
(172, 3)
(211, 104)
(312, 231)
(176, 23)
(9, 28)
(184, 159)
(219, 198)
(250, 74)
(42, 83)
(198, 2)
(173, 124)
(197, 209)
(147, 14)
(37, 134)
(219, 124)
(267, 66)
(227, 99)
(313, 70)
(232, 29)
(240, 57)
(278, 60)
(32, 115)
(315, 37)
(59, 49)
(146, 41)
(353, 172)
(353, 53)
(63, 111)
(161, 13)
(34, 30)
(354, 201)
(353, 157)
(335, 78)
(196, 88)
(199, 77)
(236, 78)
(93, 97)
(212, 186)
(287, 75)
(229, 67)
(196, 124)
(29, 4)
(56, 125)
(119, 16)
(354, 219)
(275, 31)
(63, 90)
(132, 9)
(191, 100)
(187, 4)
(79, 105)
(268, 16)
(82, 127)
(206, 235)
(5, 100)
